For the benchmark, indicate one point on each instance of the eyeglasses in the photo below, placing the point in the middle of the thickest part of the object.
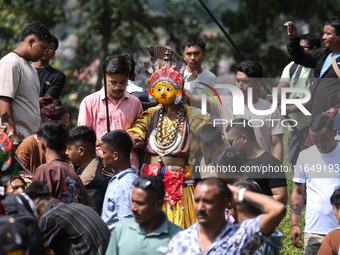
(230, 141)
(144, 184)
(118, 85)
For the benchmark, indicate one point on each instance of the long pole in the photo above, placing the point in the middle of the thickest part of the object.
(222, 29)
(235, 46)
(106, 100)
(230, 40)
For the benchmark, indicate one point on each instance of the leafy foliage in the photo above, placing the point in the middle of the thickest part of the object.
(16, 14)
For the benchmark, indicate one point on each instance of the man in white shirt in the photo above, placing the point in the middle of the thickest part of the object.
(194, 53)
(317, 172)
(19, 81)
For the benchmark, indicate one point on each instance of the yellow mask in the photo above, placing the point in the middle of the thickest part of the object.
(165, 93)
(165, 86)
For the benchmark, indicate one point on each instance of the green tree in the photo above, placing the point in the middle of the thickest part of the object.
(16, 14)
(115, 26)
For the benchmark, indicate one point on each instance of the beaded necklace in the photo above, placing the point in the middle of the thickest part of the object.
(170, 135)
(156, 141)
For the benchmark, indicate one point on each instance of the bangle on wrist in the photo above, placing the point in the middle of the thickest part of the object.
(295, 224)
(241, 195)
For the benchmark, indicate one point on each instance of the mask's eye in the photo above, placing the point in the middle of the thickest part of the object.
(168, 89)
(159, 89)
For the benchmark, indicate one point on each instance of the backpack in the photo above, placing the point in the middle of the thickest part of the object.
(23, 213)
(97, 187)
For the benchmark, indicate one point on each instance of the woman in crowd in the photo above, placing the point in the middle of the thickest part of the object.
(13, 184)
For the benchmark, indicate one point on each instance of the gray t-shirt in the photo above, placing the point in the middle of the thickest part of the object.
(20, 81)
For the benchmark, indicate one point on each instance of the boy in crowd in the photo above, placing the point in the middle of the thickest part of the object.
(298, 76)
(81, 149)
(19, 81)
(51, 80)
(124, 109)
(116, 147)
(60, 177)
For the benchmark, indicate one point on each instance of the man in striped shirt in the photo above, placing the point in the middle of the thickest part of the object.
(70, 229)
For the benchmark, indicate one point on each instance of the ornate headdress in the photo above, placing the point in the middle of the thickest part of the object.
(162, 56)
(165, 66)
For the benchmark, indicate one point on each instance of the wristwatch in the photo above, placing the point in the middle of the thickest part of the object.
(241, 194)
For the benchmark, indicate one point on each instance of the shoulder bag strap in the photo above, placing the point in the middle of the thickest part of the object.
(335, 66)
(25, 203)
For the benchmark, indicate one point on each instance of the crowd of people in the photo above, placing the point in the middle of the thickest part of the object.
(145, 172)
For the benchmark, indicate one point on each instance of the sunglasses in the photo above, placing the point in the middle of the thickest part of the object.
(144, 184)
(230, 141)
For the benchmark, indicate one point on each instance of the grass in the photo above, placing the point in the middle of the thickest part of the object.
(285, 227)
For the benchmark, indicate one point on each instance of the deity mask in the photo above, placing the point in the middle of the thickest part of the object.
(165, 86)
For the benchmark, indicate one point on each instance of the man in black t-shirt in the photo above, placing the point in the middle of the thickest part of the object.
(51, 80)
(260, 166)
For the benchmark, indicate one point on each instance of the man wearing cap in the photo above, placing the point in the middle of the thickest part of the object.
(150, 229)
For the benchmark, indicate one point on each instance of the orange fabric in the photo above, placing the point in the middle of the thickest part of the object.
(29, 154)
